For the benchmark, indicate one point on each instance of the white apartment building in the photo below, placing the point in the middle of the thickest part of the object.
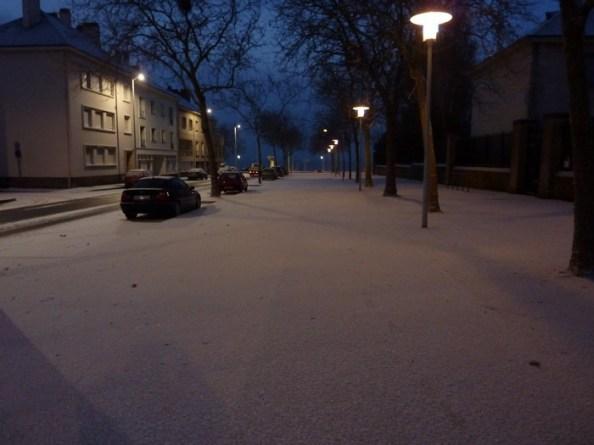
(192, 150)
(67, 114)
(156, 130)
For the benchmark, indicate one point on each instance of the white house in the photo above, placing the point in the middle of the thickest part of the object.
(67, 115)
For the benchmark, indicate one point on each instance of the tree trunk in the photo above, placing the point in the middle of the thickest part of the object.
(574, 19)
(421, 94)
(210, 147)
(260, 166)
(391, 188)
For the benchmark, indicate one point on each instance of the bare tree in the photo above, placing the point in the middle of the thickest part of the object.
(202, 45)
(575, 15)
(281, 131)
(254, 100)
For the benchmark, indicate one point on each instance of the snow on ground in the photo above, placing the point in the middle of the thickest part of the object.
(301, 312)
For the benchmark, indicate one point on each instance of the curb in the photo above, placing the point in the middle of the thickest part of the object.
(35, 223)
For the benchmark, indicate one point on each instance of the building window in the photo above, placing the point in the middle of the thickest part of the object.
(170, 116)
(127, 92)
(171, 140)
(143, 136)
(191, 124)
(170, 164)
(153, 135)
(184, 123)
(97, 83)
(141, 107)
(98, 156)
(163, 136)
(98, 120)
(127, 125)
(162, 109)
(87, 118)
(153, 108)
(107, 86)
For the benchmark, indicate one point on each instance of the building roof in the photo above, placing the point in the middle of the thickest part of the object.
(49, 32)
(552, 26)
(550, 31)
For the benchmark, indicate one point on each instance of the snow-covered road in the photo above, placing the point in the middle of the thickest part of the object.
(301, 312)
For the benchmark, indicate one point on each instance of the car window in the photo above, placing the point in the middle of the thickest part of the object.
(150, 183)
(179, 184)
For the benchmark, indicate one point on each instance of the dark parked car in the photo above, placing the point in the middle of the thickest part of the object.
(269, 174)
(164, 195)
(280, 172)
(232, 182)
(196, 173)
(134, 175)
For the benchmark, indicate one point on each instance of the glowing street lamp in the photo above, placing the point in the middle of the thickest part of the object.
(235, 128)
(361, 110)
(430, 21)
(335, 141)
(140, 77)
(209, 111)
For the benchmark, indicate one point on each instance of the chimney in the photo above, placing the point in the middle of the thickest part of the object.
(31, 13)
(66, 17)
(91, 30)
(122, 57)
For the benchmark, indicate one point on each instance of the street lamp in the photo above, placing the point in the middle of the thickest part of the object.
(430, 21)
(235, 128)
(322, 163)
(361, 110)
(141, 77)
(209, 111)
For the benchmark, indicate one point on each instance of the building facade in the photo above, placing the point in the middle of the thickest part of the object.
(71, 115)
(192, 149)
(156, 129)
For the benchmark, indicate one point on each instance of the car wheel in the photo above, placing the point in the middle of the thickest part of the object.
(198, 202)
(176, 209)
(130, 215)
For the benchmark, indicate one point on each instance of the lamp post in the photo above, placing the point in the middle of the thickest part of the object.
(235, 128)
(322, 163)
(361, 110)
(430, 21)
(141, 77)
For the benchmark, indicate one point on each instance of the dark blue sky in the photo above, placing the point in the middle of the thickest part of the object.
(11, 9)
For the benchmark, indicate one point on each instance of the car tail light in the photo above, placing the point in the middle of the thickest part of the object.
(162, 196)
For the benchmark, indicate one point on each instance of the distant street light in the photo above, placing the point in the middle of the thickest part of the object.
(430, 21)
(361, 110)
(209, 111)
(325, 130)
(235, 128)
(322, 163)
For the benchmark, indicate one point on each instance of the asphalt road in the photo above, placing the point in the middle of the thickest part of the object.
(301, 312)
